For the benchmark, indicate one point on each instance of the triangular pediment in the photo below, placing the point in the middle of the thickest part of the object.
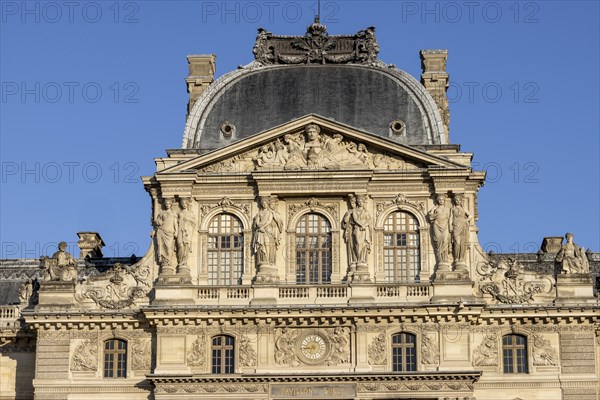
(299, 145)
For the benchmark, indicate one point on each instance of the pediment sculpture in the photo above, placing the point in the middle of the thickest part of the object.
(310, 149)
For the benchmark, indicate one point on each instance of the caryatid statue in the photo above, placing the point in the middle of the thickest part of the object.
(459, 222)
(361, 232)
(266, 227)
(439, 218)
(572, 258)
(348, 236)
(165, 229)
(186, 223)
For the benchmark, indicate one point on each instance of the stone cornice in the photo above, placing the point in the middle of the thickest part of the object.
(462, 376)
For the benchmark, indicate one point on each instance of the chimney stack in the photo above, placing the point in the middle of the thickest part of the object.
(90, 245)
(202, 73)
(436, 80)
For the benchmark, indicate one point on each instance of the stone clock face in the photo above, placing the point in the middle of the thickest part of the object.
(313, 348)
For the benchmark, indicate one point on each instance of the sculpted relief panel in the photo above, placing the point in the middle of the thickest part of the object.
(330, 346)
(507, 282)
(118, 287)
(310, 150)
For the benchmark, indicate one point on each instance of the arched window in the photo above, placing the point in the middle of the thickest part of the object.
(222, 350)
(313, 249)
(404, 352)
(514, 354)
(225, 250)
(401, 249)
(115, 358)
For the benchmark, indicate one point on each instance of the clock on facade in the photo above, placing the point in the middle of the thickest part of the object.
(313, 348)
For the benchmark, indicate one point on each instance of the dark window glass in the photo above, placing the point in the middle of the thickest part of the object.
(514, 354)
(404, 353)
(313, 249)
(225, 250)
(401, 248)
(115, 358)
(222, 350)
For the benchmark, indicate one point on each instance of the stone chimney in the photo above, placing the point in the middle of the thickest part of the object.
(552, 244)
(90, 245)
(202, 74)
(436, 80)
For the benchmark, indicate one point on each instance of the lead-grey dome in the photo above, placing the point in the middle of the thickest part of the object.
(352, 87)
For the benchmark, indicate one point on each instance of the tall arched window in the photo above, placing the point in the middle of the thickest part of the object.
(313, 249)
(225, 250)
(404, 352)
(222, 355)
(401, 249)
(115, 358)
(514, 354)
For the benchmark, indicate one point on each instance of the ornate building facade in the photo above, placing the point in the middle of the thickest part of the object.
(314, 237)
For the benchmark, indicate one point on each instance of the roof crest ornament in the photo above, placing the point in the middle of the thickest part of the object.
(317, 47)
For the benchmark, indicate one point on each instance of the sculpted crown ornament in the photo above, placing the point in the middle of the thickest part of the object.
(317, 47)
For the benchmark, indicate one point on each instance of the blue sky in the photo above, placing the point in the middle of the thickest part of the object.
(93, 91)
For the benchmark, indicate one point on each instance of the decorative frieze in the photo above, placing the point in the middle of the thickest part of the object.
(377, 350)
(141, 354)
(85, 356)
(196, 354)
(486, 354)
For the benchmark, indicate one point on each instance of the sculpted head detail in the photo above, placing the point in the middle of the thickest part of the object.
(184, 202)
(440, 199)
(62, 246)
(312, 131)
(458, 199)
(569, 237)
(168, 203)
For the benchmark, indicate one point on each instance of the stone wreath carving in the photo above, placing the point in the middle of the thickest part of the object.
(486, 354)
(85, 356)
(125, 285)
(507, 283)
(377, 350)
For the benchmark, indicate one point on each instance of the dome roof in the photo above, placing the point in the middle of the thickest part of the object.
(295, 76)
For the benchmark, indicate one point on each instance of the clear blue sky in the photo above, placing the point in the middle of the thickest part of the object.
(93, 91)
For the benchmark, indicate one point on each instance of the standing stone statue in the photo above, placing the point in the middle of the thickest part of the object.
(572, 258)
(439, 218)
(460, 232)
(348, 237)
(165, 226)
(267, 227)
(361, 232)
(186, 226)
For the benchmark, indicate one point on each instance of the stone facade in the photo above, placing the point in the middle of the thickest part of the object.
(314, 259)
